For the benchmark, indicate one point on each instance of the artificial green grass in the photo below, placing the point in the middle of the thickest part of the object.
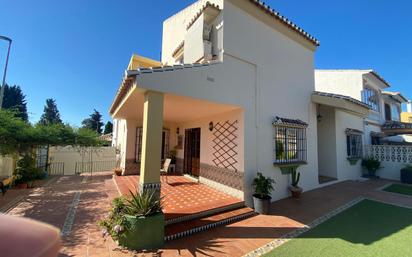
(399, 189)
(368, 228)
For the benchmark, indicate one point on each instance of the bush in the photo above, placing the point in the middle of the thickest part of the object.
(137, 205)
(371, 165)
(263, 186)
(26, 170)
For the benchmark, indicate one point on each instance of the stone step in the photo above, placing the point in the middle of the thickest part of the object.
(181, 229)
(205, 213)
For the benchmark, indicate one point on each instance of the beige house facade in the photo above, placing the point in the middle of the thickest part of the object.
(235, 94)
(215, 98)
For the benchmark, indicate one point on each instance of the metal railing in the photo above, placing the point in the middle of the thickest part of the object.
(56, 168)
(95, 166)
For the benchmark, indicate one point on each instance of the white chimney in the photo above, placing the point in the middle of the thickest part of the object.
(409, 106)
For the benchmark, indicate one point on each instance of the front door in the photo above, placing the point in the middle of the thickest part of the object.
(192, 152)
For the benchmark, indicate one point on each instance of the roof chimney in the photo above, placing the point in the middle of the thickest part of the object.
(409, 106)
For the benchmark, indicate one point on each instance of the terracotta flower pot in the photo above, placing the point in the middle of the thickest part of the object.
(296, 191)
(118, 172)
(22, 186)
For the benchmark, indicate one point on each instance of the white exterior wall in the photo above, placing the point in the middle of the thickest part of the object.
(206, 136)
(174, 28)
(347, 83)
(276, 60)
(344, 121)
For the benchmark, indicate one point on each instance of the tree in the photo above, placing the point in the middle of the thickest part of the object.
(51, 114)
(94, 122)
(15, 100)
(108, 128)
(20, 138)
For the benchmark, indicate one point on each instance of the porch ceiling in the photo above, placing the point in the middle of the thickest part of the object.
(175, 108)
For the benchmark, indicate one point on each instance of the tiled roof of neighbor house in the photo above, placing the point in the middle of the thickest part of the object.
(353, 131)
(343, 97)
(396, 125)
(398, 94)
(127, 82)
(266, 8)
(289, 122)
(207, 5)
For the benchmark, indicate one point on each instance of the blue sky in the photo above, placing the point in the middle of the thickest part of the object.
(76, 51)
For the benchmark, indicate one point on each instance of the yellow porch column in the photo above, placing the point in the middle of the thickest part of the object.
(151, 141)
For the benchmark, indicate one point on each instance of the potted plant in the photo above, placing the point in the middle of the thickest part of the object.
(136, 222)
(294, 188)
(118, 171)
(371, 166)
(25, 172)
(406, 175)
(172, 156)
(263, 186)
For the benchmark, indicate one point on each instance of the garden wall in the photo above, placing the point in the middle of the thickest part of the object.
(392, 157)
(6, 166)
(70, 160)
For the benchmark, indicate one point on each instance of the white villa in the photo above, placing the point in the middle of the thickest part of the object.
(235, 94)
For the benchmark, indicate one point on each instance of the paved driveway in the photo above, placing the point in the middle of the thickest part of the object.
(76, 203)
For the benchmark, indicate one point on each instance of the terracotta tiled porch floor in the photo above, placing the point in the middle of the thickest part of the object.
(182, 196)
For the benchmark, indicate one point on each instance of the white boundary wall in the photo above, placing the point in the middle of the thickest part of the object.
(6, 166)
(85, 158)
(392, 157)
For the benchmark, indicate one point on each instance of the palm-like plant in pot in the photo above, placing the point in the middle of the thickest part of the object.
(294, 187)
(136, 222)
(263, 187)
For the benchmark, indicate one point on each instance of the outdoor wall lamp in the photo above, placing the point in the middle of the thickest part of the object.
(211, 126)
(177, 130)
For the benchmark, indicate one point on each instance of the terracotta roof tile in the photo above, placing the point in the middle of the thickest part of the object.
(285, 21)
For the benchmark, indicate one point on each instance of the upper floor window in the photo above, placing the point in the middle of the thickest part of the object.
(290, 141)
(370, 97)
(395, 112)
(388, 112)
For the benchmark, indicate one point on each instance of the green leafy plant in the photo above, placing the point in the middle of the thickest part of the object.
(372, 165)
(263, 186)
(280, 150)
(26, 170)
(145, 204)
(295, 178)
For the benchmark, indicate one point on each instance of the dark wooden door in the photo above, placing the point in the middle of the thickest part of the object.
(192, 152)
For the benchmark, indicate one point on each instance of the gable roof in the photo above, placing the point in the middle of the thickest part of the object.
(396, 95)
(275, 14)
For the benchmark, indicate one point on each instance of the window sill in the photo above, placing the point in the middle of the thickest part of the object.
(287, 168)
(353, 160)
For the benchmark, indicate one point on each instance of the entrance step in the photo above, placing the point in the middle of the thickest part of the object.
(181, 229)
(205, 213)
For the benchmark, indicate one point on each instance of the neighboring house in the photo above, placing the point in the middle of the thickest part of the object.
(407, 116)
(245, 87)
(368, 87)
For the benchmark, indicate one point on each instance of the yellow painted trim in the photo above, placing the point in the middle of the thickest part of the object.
(137, 61)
